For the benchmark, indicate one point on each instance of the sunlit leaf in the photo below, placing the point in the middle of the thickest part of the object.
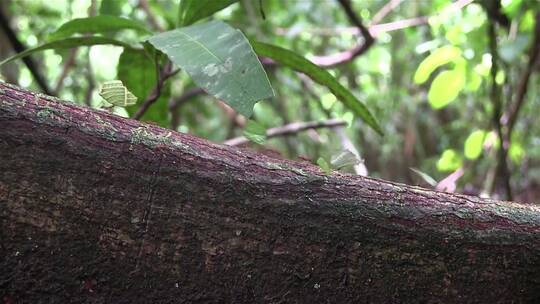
(97, 25)
(440, 56)
(516, 152)
(511, 8)
(474, 143)
(450, 160)
(115, 93)
(319, 75)
(255, 132)
(527, 21)
(219, 59)
(474, 80)
(191, 11)
(67, 44)
(445, 88)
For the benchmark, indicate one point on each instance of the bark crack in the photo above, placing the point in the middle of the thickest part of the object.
(148, 212)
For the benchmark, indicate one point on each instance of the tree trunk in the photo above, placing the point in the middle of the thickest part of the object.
(95, 208)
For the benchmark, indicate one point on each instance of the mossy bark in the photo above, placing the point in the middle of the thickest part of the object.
(95, 208)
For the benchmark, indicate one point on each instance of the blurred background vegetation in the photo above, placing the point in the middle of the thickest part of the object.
(445, 80)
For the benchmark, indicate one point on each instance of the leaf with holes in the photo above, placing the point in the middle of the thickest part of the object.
(220, 60)
(115, 93)
(343, 159)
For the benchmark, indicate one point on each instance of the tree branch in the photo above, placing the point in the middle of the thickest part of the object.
(503, 176)
(175, 103)
(68, 64)
(385, 10)
(289, 129)
(346, 56)
(143, 4)
(510, 117)
(96, 208)
(163, 74)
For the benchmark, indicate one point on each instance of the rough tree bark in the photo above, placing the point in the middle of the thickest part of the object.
(95, 208)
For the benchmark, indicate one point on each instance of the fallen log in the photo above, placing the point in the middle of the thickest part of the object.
(96, 208)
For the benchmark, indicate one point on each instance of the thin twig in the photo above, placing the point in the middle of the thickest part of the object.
(510, 118)
(143, 4)
(175, 103)
(290, 129)
(163, 74)
(503, 174)
(385, 10)
(90, 79)
(346, 56)
(92, 11)
(449, 183)
(28, 61)
(70, 62)
(369, 33)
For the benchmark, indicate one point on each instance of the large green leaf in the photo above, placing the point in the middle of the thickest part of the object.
(219, 59)
(192, 10)
(138, 73)
(319, 75)
(67, 44)
(95, 25)
(445, 88)
(440, 56)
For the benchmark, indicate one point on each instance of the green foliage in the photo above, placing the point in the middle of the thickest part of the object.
(190, 11)
(446, 87)
(255, 132)
(510, 50)
(97, 25)
(111, 7)
(457, 68)
(324, 165)
(439, 57)
(450, 160)
(138, 71)
(219, 59)
(474, 143)
(319, 75)
(67, 43)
